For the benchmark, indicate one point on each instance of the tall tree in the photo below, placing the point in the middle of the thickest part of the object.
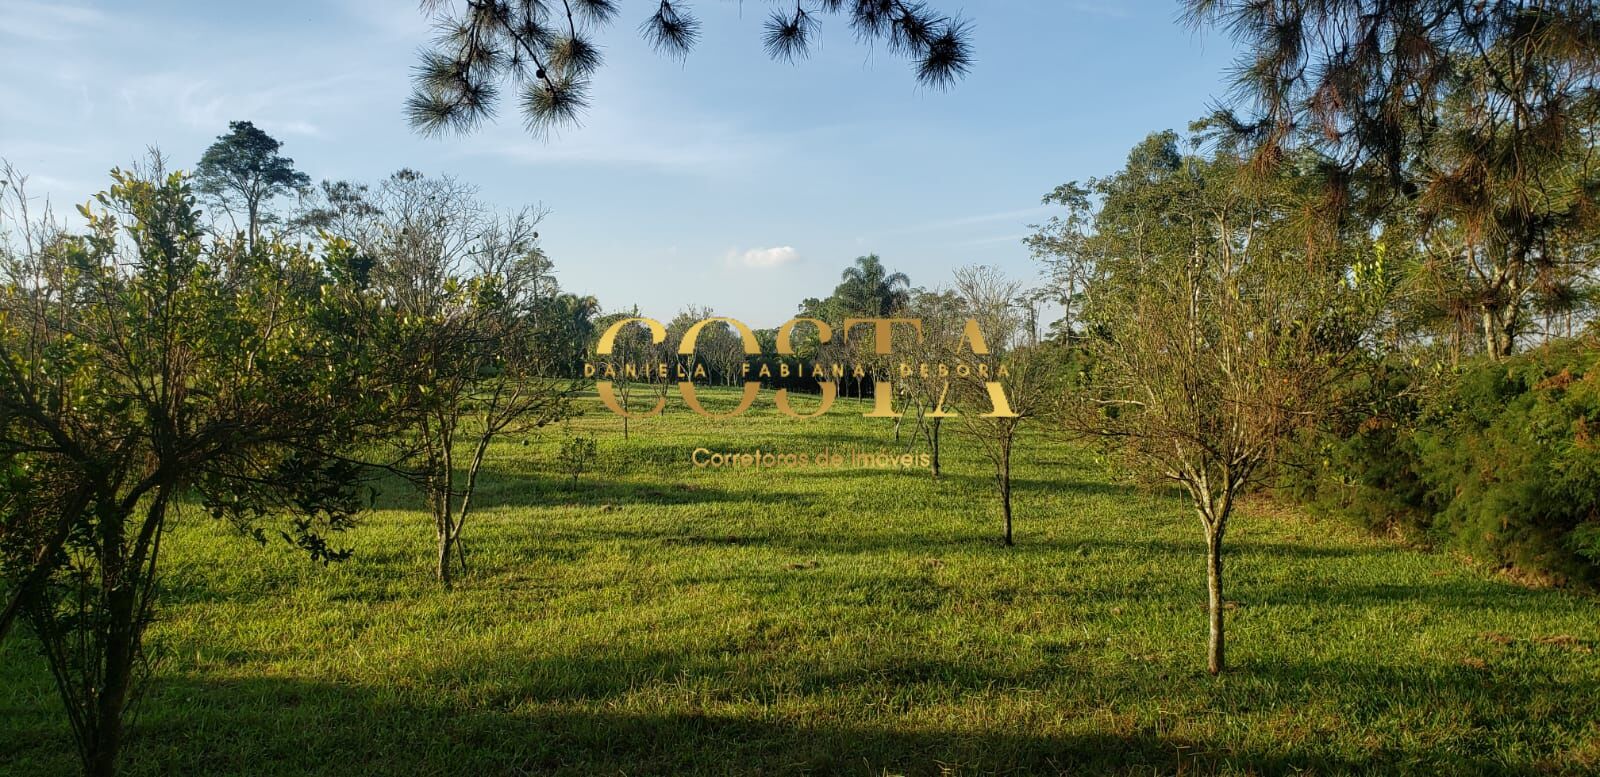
(1062, 247)
(1476, 120)
(243, 170)
(547, 50)
(867, 289)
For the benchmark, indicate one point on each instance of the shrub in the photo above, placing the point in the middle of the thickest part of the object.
(1500, 460)
(577, 454)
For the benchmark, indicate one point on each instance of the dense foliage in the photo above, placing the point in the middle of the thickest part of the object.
(144, 366)
(1500, 461)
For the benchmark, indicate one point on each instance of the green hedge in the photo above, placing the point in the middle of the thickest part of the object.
(1500, 460)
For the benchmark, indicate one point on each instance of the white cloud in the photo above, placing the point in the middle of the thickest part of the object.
(209, 102)
(47, 22)
(764, 258)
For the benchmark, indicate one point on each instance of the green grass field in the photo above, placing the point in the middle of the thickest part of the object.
(661, 619)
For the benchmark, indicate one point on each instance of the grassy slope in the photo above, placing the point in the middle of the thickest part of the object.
(664, 620)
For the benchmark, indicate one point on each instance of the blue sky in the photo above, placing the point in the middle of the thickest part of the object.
(725, 180)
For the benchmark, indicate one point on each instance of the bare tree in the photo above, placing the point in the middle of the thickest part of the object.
(1003, 359)
(925, 387)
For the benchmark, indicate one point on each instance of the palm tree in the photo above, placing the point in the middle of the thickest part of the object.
(580, 313)
(870, 289)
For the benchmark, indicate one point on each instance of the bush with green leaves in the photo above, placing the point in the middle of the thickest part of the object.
(1501, 461)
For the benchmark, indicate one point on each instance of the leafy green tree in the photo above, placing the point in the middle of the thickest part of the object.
(243, 170)
(1217, 326)
(141, 364)
(867, 289)
(577, 455)
(676, 329)
(547, 51)
(571, 324)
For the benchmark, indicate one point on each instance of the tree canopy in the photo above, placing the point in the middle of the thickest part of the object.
(244, 170)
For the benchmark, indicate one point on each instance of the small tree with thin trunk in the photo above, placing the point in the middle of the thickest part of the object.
(1022, 372)
(928, 393)
(1215, 329)
(631, 348)
(466, 305)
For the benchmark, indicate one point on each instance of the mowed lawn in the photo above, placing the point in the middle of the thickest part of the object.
(661, 619)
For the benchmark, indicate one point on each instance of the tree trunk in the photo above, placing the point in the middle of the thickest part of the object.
(254, 210)
(105, 737)
(445, 546)
(120, 588)
(1214, 647)
(1005, 502)
(1508, 336)
(1005, 489)
(936, 446)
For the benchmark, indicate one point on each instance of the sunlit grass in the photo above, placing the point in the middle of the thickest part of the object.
(662, 619)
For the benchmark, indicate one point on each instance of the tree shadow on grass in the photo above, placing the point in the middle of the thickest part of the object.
(1471, 593)
(985, 482)
(1235, 550)
(445, 725)
(282, 726)
(976, 541)
(499, 487)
